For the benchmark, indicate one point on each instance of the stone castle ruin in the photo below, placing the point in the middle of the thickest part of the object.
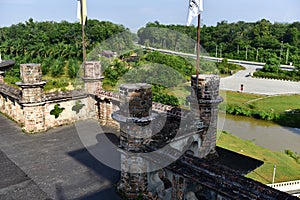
(166, 152)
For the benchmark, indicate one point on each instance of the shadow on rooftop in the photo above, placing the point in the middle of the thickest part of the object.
(90, 160)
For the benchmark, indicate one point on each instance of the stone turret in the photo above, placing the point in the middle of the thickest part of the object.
(32, 98)
(134, 116)
(204, 101)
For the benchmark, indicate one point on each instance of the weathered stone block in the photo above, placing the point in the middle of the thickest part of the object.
(136, 100)
(34, 118)
(31, 73)
(92, 70)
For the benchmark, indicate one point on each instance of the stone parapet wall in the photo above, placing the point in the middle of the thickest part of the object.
(10, 91)
(11, 108)
(64, 96)
(9, 103)
(216, 181)
(68, 115)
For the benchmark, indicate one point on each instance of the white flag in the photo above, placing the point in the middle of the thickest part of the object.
(81, 11)
(195, 8)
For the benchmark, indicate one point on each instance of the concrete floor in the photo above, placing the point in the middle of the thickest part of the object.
(51, 165)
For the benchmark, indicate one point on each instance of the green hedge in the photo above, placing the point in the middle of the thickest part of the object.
(281, 74)
(284, 118)
(238, 110)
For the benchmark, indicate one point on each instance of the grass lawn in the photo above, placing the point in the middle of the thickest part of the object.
(274, 108)
(264, 103)
(240, 98)
(287, 169)
(278, 103)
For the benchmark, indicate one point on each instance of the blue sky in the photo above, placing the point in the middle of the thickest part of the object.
(136, 13)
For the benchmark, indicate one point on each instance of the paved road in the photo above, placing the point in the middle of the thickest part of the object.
(251, 85)
(258, 86)
(287, 67)
(53, 165)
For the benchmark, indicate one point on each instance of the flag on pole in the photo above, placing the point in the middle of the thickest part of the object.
(82, 11)
(195, 8)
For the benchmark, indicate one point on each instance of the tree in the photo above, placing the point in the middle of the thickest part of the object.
(73, 68)
(52, 43)
(272, 65)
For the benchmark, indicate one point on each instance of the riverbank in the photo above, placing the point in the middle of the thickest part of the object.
(287, 168)
(263, 133)
(283, 109)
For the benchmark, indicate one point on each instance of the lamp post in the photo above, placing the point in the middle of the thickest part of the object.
(287, 56)
(281, 48)
(274, 172)
(257, 54)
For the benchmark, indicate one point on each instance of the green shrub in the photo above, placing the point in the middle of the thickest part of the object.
(57, 68)
(56, 84)
(73, 68)
(293, 155)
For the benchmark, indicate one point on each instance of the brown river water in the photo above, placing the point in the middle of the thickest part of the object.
(263, 133)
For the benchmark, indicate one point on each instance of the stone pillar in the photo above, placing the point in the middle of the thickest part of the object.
(134, 116)
(204, 101)
(92, 77)
(92, 85)
(102, 112)
(32, 98)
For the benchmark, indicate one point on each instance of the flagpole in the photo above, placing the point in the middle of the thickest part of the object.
(83, 37)
(198, 52)
(198, 45)
(84, 44)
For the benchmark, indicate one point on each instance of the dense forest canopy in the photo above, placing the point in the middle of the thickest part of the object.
(54, 45)
(256, 41)
(52, 39)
